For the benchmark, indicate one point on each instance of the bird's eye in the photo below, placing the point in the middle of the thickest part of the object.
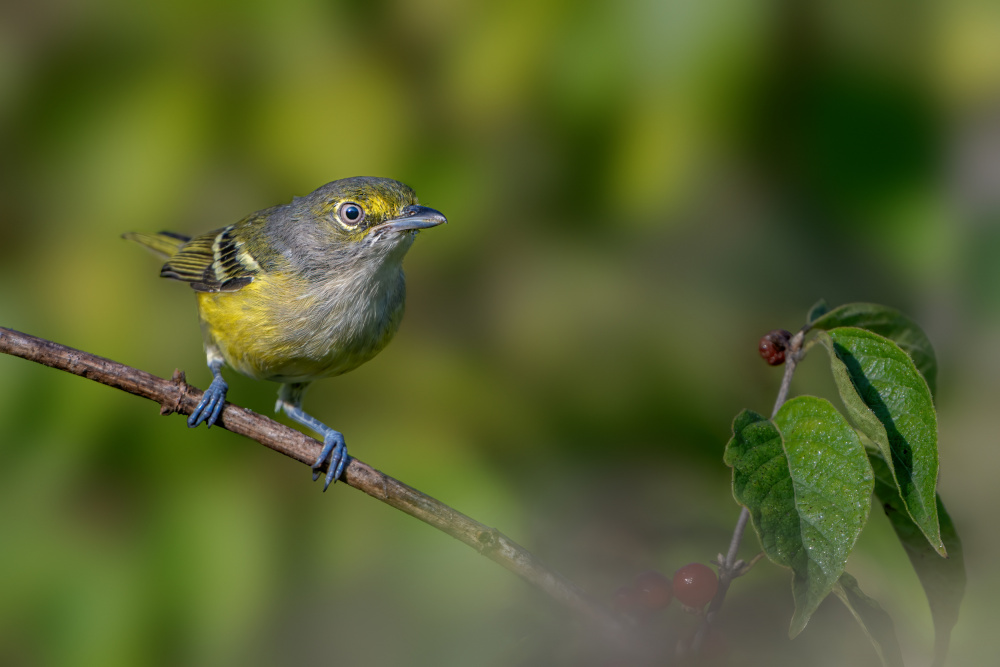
(351, 214)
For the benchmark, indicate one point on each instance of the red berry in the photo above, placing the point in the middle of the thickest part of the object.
(695, 585)
(770, 353)
(772, 346)
(654, 590)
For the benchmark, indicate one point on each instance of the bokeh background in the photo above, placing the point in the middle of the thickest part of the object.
(636, 192)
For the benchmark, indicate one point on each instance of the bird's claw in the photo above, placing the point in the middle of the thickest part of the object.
(211, 404)
(334, 451)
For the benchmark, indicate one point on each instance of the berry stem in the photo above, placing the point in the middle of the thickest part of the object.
(728, 569)
(792, 360)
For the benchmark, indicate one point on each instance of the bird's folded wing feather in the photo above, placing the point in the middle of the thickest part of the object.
(213, 262)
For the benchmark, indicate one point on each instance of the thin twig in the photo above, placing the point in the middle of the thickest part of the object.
(734, 543)
(176, 396)
(791, 361)
(729, 567)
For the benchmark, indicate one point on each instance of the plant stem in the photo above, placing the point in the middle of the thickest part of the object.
(791, 361)
(730, 568)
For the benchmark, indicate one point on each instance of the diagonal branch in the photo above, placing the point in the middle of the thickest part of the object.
(176, 395)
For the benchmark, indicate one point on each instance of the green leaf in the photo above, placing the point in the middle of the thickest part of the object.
(889, 401)
(818, 310)
(890, 323)
(806, 480)
(943, 579)
(869, 614)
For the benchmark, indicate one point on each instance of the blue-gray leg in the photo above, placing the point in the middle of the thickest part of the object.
(334, 447)
(213, 400)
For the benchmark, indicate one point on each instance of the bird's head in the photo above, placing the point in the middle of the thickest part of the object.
(369, 211)
(353, 222)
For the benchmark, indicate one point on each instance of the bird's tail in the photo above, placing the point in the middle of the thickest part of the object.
(164, 244)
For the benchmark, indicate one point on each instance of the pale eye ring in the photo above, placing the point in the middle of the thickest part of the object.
(351, 214)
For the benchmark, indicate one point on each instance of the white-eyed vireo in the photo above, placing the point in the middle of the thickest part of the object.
(298, 292)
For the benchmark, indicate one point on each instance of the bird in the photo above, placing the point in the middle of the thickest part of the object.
(300, 291)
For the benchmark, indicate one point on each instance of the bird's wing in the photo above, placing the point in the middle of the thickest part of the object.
(213, 262)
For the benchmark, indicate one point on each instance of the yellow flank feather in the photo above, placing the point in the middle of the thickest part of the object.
(280, 328)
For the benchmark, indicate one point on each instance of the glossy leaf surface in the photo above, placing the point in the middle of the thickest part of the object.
(889, 401)
(887, 322)
(806, 480)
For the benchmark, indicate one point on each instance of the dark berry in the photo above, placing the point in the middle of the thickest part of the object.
(654, 590)
(695, 585)
(772, 346)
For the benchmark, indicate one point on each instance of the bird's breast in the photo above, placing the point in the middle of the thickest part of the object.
(285, 328)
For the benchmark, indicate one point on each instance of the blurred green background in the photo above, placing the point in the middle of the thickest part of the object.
(637, 191)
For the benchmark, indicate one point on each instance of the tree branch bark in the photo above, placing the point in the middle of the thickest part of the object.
(177, 396)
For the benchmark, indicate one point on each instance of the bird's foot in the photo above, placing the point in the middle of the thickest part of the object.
(211, 404)
(334, 451)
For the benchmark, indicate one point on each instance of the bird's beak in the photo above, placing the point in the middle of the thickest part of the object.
(413, 218)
